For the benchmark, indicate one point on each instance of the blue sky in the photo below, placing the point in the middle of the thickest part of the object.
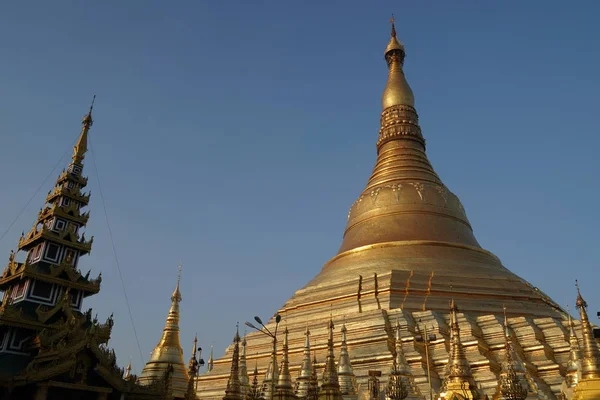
(235, 135)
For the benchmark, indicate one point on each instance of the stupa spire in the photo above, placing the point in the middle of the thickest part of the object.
(590, 363)
(210, 364)
(397, 92)
(346, 376)
(304, 380)
(128, 370)
(244, 379)
(284, 381)
(397, 388)
(193, 366)
(330, 388)
(254, 390)
(233, 391)
(168, 351)
(574, 364)
(509, 383)
(459, 379)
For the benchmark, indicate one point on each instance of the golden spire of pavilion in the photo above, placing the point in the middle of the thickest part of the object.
(397, 384)
(346, 375)
(168, 351)
(81, 146)
(574, 364)
(459, 379)
(128, 370)
(193, 367)
(590, 364)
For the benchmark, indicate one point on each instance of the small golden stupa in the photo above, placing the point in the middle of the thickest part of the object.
(407, 250)
(168, 352)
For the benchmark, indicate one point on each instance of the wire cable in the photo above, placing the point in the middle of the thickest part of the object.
(114, 249)
(34, 194)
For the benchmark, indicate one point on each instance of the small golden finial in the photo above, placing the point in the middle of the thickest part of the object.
(87, 120)
(392, 21)
(580, 301)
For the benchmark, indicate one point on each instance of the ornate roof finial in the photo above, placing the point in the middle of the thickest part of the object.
(233, 392)
(304, 380)
(392, 21)
(590, 364)
(509, 383)
(346, 376)
(459, 372)
(81, 146)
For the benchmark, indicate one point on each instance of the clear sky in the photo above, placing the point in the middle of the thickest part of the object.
(235, 135)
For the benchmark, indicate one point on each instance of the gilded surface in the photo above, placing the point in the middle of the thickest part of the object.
(407, 249)
(168, 353)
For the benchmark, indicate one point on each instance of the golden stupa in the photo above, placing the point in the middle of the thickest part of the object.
(409, 249)
(167, 356)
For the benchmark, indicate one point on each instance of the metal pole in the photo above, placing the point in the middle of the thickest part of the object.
(428, 367)
(273, 367)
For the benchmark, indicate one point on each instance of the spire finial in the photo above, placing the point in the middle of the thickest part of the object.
(392, 21)
(81, 146)
(176, 296)
(591, 352)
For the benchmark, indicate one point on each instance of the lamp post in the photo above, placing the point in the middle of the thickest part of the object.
(426, 340)
(265, 331)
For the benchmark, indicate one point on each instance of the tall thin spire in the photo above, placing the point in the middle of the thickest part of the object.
(233, 391)
(590, 364)
(304, 380)
(574, 364)
(210, 364)
(254, 390)
(346, 376)
(168, 351)
(330, 388)
(284, 387)
(128, 371)
(193, 365)
(459, 379)
(509, 384)
(81, 146)
(397, 387)
(244, 379)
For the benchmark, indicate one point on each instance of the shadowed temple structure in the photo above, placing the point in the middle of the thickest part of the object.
(408, 252)
(49, 347)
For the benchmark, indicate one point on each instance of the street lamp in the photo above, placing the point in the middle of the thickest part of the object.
(265, 331)
(426, 339)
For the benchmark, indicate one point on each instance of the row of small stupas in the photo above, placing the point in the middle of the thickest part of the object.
(336, 381)
(49, 347)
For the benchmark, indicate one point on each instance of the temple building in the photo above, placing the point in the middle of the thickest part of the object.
(408, 251)
(49, 347)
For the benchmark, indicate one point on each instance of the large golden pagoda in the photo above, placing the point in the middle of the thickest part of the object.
(407, 249)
